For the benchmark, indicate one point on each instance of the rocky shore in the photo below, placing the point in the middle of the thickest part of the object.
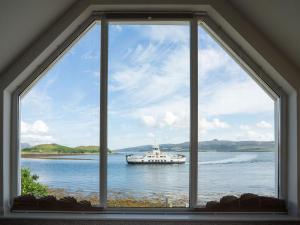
(117, 199)
(59, 199)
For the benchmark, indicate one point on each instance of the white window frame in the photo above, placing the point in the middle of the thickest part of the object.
(194, 19)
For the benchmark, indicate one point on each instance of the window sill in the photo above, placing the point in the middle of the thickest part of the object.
(152, 216)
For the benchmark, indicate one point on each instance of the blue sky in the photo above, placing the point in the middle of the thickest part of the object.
(148, 92)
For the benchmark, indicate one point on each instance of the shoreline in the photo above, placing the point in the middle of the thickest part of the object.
(54, 155)
(117, 199)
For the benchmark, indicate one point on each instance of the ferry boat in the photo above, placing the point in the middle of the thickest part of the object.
(156, 157)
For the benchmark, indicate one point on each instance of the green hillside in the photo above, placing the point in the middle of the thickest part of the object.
(60, 149)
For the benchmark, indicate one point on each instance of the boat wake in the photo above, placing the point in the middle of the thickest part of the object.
(237, 159)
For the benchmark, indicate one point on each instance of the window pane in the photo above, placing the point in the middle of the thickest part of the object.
(236, 128)
(148, 108)
(60, 124)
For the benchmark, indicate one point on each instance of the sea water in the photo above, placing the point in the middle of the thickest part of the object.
(219, 173)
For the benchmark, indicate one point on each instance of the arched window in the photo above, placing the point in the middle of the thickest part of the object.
(131, 83)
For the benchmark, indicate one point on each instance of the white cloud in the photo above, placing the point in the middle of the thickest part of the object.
(216, 62)
(154, 83)
(247, 133)
(225, 88)
(118, 27)
(37, 127)
(35, 133)
(156, 91)
(214, 123)
(255, 135)
(170, 113)
(205, 125)
(128, 78)
(67, 117)
(37, 101)
(144, 81)
(144, 54)
(170, 118)
(151, 72)
(211, 59)
(233, 97)
(264, 124)
(245, 127)
(165, 33)
(40, 127)
(165, 119)
(151, 135)
(149, 120)
(255, 132)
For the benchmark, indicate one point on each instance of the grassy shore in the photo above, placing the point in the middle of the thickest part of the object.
(60, 150)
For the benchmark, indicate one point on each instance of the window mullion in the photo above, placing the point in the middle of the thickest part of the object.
(193, 112)
(103, 113)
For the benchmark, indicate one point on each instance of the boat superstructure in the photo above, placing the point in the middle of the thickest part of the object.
(156, 157)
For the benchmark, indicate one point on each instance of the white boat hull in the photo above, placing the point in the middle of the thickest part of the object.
(165, 159)
(137, 162)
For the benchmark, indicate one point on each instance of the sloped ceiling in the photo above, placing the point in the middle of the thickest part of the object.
(278, 20)
(22, 22)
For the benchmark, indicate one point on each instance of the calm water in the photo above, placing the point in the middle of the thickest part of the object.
(220, 173)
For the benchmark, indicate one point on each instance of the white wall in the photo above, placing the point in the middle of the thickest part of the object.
(266, 55)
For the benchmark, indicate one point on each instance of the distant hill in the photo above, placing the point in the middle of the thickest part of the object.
(220, 145)
(213, 145)
(60, 149)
